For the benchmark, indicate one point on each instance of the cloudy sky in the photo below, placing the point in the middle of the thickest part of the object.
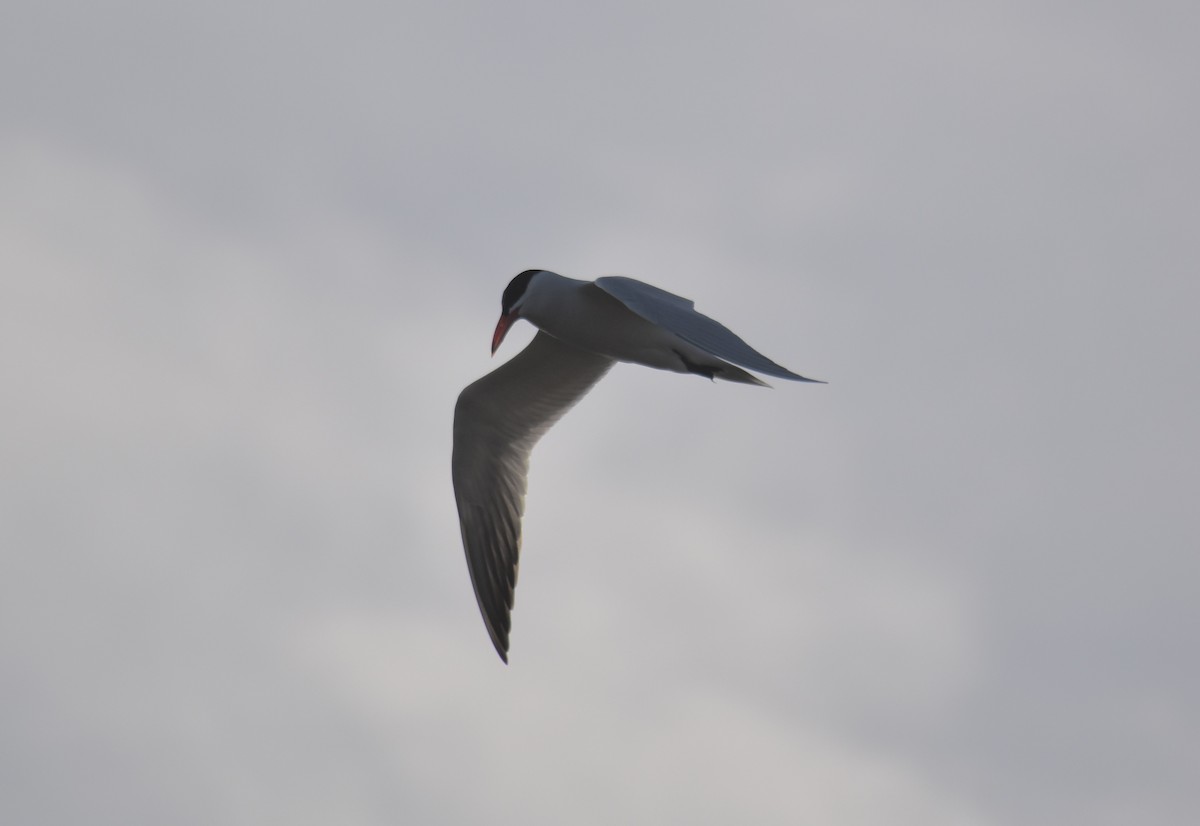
(250, 253)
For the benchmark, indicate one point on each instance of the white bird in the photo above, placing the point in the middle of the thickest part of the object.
(584, 328)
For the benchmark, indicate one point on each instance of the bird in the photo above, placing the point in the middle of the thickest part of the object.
(584, 328)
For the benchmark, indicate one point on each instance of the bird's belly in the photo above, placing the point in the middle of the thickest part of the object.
(610, 329)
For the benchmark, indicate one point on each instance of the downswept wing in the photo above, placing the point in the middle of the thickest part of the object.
(678, 315)
(497, 421)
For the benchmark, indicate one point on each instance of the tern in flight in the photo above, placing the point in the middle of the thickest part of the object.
(584, 327)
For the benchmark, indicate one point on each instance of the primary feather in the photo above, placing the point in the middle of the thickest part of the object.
(497, 421)
(678, 315)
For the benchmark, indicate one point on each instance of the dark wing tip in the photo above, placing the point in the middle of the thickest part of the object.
(500, 641)
(780, 372)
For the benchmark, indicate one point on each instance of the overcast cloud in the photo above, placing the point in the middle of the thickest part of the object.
(250, 253)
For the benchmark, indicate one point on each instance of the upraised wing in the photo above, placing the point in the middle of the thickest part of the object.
(497, 421)
(679, 316)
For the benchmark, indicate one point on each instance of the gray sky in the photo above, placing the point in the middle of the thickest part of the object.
(250, 253)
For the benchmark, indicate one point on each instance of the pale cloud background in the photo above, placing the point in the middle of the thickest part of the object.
(250, 253)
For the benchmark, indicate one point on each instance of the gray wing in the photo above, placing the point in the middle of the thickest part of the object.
(678, 315)
(497, 421)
